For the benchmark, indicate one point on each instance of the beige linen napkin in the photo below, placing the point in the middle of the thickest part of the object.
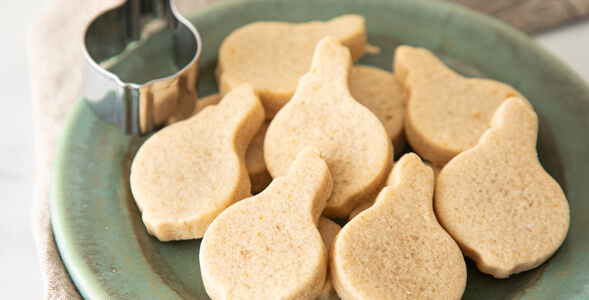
(56, 78)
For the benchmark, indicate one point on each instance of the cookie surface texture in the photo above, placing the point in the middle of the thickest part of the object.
(446, 113)
(350, 137)
(186, 174)
(254, 160)
(497, 201)
(382, 93)
(254, 156)
(268, 246)
(328, 230)
(396, 249)
(274, 55)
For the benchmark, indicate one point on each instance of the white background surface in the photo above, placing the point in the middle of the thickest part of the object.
(20, 276)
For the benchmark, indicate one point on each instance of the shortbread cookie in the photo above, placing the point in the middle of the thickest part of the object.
(254, 160)
(254, 156)
(322, 112)
(328, 230)
(186, 174)
(446, 113)
(268, 246)
(366, 204)
(396, 249)
(382, 93)
(274, 55)
(497, 201)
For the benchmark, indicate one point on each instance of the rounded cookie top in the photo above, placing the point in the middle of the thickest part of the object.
(497, 201)
(323, 113)
(446, 113)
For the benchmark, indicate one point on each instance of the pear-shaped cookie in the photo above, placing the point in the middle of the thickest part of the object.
(322, 112)
(274, 55)
(328, 230)
(396, 249)
(383, 94)
(268, 246)
(446, 113)
(186, 174)
(497, 201)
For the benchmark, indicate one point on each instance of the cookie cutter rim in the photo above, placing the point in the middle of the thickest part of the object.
(127, 117)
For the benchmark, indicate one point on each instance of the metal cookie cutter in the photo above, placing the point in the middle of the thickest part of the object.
(141, 65)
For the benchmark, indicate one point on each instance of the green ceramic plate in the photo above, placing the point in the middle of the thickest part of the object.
(109, 254)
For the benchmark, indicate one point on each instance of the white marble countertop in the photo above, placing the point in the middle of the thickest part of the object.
(20, 277)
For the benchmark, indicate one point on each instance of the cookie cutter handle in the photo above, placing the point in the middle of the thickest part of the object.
(139, 108)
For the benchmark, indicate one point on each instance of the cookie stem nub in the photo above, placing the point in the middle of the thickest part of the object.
(517, 122)
(308, 175)
(332, 61)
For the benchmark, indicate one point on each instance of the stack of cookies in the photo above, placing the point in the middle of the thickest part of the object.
(298, 134)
